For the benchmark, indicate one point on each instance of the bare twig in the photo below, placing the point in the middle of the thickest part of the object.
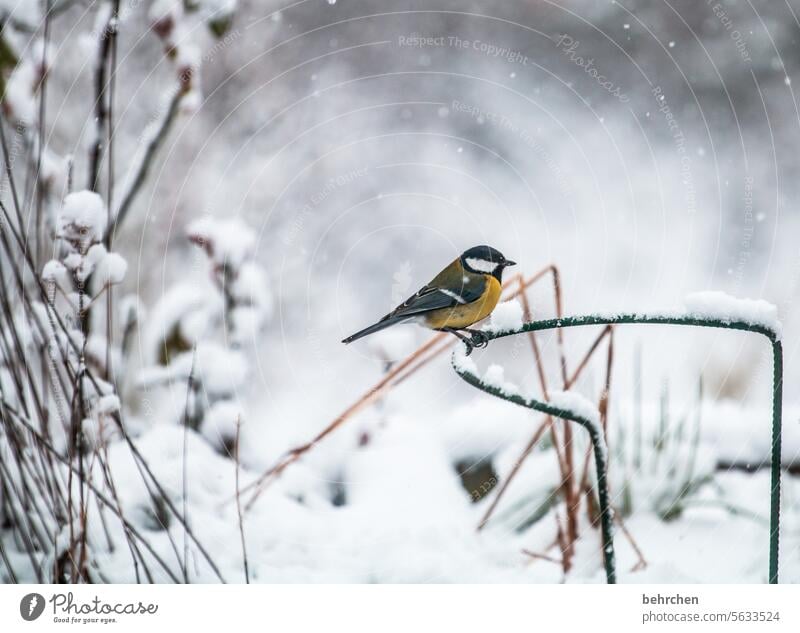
(98, 493)
(239, 501)
(142, 169)
(100, 85)
(185, 458)
(538, 556)
(642, 562)
(56, 8)
(514, 469)
(41, 123)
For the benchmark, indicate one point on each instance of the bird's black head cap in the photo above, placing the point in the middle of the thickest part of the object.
(485, 260)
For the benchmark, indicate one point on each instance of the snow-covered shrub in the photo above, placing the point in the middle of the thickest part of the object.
(75, 281)
(20, 101)
(21, 93)
(66, 422)
(200, 334)
(229, 245)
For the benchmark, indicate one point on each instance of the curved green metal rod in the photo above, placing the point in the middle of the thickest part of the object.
(600, 459)
(641, 319)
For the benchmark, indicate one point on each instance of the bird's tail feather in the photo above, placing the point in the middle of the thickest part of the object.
(377, 327)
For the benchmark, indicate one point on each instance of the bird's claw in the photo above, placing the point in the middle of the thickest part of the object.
(479, 340)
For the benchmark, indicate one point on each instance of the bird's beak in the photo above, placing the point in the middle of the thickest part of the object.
(509, 263)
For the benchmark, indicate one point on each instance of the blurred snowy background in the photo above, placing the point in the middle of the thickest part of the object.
(328, 158)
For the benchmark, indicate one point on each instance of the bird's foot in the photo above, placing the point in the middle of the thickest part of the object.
(478, 339)
(469, 343)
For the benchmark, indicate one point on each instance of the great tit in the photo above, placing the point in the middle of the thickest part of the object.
(462, 294)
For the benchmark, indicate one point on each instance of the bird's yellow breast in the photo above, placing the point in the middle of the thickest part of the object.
(461, 316)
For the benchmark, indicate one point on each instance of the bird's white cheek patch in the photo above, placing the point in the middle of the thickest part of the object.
(481, 265)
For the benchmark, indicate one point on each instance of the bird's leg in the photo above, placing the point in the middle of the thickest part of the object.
(479, 339)
(468, 342)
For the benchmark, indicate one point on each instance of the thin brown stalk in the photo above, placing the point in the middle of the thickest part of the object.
(527, 316)
(603, 407)
(561, 538)
(422, 362)
(41, 126)
(143, 168)
(239, 501)
(517, 465)
(603, 402)
(607, 331)
(570, 491)
(642, 562)
(100, 110)
(568, 485)
(132, 547)
(184, 464)
(112, 36)
(538, 556)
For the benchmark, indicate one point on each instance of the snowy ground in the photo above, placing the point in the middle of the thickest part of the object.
(406, 518)
(381, 501)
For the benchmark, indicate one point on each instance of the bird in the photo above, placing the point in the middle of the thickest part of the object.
(462, 294)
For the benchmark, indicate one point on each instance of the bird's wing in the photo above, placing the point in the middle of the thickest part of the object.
(450, 288)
